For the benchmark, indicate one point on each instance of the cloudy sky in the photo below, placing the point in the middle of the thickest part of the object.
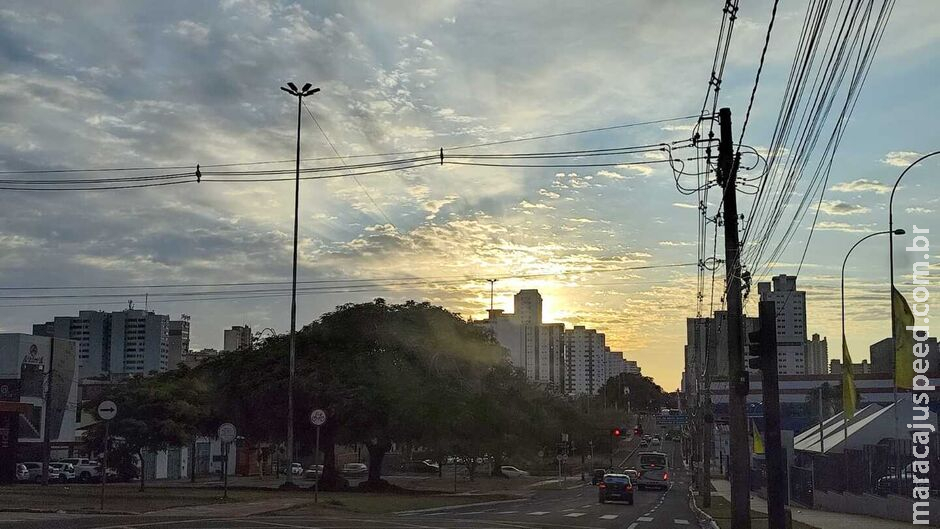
(124, 84)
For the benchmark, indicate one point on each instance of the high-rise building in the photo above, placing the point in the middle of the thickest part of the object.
(126, 342)
(861, 368)
(237, 338)
(817, 356)
(178, 341)
(790, 307)
(585, 361)
(534, 347)
(630, 367)
(707, 341)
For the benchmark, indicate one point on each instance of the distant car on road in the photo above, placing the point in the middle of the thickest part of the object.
(22, 473)
(633, 473)
(355, 468)
(598, 475)
(313, 472)
(423, 467)
(512, 472)
(656, 441)
(615, 487)
(654, 471)
(85, 469)
(644, 443)
(66, 471)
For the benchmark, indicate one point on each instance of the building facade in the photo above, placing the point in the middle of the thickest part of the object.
(817, 356)
(177, 341)
(125, 342)
(790, 306)
(238, 338)
(585, 361)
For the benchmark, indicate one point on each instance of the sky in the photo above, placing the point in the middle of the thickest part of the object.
(123, 84)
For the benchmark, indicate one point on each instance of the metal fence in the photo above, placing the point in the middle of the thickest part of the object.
(880, 469)
(801, 485)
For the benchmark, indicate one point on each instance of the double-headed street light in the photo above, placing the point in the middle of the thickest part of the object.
(846, 364)
(291, 89)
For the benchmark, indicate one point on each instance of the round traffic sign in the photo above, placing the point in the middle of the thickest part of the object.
(227, 432)
(318, 417)
(107, 410)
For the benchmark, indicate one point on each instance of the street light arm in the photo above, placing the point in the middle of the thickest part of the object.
(898, 181)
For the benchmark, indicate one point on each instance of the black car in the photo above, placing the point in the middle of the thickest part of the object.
(598, 475)
(615, 487)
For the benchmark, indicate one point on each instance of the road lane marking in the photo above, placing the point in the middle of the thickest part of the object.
(507, 512)
(575, 514)
(538, 513)
(632, 526)
(610, 517)
(644, 519)
(680, 522)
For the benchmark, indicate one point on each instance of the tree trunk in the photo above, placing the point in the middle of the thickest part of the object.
(376, 456)
(140, 454)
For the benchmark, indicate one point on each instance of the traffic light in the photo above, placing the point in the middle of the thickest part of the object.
(616, 432)
(755, 350)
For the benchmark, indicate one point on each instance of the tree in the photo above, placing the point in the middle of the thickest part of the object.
(154, 413)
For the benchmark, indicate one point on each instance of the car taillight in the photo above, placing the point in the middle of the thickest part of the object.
(602, 486)
(666, 476)
(629, 487)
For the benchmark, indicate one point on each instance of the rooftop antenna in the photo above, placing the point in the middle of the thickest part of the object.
(146, 301)
(130, 304)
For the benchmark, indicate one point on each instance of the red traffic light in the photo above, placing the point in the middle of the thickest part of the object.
(616, 432)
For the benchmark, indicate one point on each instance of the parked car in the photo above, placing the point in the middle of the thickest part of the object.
(355, 468)
(66, 471)
(513, 472)
(615, 487)
(85, 469)
(35, 472)
(888, 484)
(313, 472)
(296, 469)
(420, 466)
(598, 475)
(22, 473)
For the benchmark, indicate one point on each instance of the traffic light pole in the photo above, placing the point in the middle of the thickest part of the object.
(773, 447)
(740, 457)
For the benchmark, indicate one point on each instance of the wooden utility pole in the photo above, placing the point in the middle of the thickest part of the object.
(773, 447)
(740, 458)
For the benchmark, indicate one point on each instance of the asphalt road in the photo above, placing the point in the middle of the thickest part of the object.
(574, 506)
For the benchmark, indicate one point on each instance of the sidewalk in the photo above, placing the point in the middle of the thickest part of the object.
(821, 519)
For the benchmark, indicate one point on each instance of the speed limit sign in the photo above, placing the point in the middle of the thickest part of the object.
(318, 417)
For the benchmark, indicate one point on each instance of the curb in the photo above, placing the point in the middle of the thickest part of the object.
(704, 519)
(452, 507)
(63, 511)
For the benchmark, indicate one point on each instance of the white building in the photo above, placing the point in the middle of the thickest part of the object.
(130, 341)
(237, 338)
(178, 341)
(817, 356)
(791, 323)
(535, 347)
(585, 361)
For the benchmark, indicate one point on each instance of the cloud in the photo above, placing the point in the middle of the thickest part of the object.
(676, 243)
(538, 205)
(191, 31)
(684, 205)
(862, 185)
(549, 194)
(919, 211)
(900, 158)
(610, 174)
(842, 226)
(837, 207)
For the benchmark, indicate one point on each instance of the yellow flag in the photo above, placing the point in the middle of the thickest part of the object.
(903, 341)
(848, 382)
(758, 441)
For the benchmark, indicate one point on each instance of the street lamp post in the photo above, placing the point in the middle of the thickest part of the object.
(292, 89)
(845, 423)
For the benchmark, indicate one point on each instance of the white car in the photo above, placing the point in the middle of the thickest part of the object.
(85, 469)
(355, 468)
(313, 472)
(296, 469)
(22, 473)
(66, 471)
(513, 472)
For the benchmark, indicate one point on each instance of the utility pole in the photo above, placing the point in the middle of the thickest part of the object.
(773, 449)
(740, 458)
(299, 94)
(47, 401)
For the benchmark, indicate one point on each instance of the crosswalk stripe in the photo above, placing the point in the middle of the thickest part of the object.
(609, 516)
(680, 522)
(538, 513)
(575, 514)
(644, 519)
(507, 512)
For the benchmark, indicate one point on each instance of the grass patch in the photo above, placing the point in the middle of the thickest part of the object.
(721, 512)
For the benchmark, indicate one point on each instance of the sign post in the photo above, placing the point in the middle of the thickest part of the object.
(317, 418)
(227, 434)
(107, 410)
